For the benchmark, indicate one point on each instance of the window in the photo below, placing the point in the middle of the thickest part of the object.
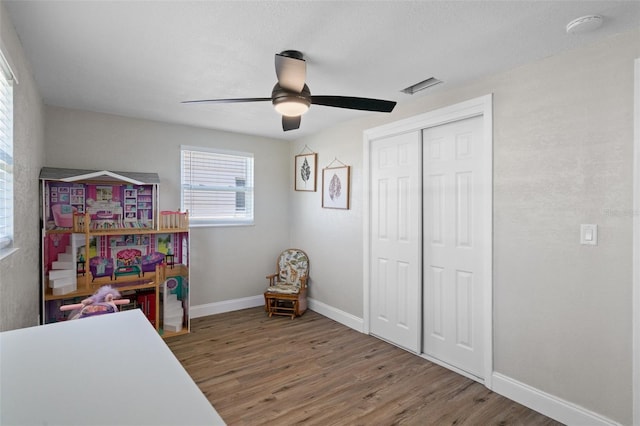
(6, 154)
(217, 186)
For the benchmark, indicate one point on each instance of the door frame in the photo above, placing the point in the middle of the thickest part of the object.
(480, 106)
(636, 246)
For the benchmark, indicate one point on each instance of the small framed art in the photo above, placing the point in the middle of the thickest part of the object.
(305, 169)
(335, 187)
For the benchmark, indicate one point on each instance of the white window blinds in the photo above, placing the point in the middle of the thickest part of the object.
(6, 155)
(217, 186)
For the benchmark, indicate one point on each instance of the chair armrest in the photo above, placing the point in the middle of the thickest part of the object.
(272, 279)
(303, 282)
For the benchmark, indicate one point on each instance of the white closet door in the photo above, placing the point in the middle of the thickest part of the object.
(453, 258)
(396, 239)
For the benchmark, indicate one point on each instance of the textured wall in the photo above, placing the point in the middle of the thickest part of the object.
(332, 237)
(562, 156)
(19, 272)
(563, 145)
(226, 262)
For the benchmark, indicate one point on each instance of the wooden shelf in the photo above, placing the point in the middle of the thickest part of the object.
(177, 270)
(119, 231)
(169, 222)
(59, 231)
(121, 286)
(169, 334)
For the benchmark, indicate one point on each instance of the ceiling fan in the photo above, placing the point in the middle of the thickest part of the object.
(291, 97)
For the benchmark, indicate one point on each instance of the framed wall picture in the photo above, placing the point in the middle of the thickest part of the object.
(305, 169)
(335, 187)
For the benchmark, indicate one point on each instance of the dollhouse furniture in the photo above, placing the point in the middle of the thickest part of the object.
(287, 291)
(116, 226)
(100, 267)
(85, 385)
(171, 259)
(127, 270)
(63, 215)
(105, 214)
(128, 257)
(128, 262)
(150, 261)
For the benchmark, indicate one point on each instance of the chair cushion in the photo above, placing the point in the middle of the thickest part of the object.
(292, 265)
(283, 289)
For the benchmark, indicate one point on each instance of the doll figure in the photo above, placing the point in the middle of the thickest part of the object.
(103, 301)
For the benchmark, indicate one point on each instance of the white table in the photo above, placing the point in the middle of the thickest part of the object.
(106, 370)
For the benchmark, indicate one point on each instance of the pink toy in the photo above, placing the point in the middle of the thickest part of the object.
(103, 301)
(63, 215)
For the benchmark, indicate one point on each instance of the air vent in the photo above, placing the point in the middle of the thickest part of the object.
(431, 81)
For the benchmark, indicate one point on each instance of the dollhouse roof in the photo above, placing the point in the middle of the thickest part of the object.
(79, 175)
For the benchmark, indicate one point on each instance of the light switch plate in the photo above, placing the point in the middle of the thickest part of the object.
(589, 234)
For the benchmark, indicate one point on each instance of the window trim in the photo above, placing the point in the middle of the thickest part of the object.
(249, 192)
(7, 245)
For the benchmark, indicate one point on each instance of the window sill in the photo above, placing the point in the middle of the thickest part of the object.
(220, 225)
(8, 251)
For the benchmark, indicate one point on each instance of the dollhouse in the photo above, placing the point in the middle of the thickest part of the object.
(103, 227)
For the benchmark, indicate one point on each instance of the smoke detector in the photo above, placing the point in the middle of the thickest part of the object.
(584, 24)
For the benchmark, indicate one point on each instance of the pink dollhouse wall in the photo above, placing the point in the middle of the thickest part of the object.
(63, 215)
(103, 245)
(54, 245)
(92, 192)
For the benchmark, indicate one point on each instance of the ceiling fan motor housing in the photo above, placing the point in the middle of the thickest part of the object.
(295, 54)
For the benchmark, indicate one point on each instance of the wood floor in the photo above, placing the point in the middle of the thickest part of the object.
(312, 370)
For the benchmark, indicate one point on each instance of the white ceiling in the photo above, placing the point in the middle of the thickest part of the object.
(142, 58)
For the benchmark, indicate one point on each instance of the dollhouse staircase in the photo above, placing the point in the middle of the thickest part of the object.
(173, 311)
(63, 274)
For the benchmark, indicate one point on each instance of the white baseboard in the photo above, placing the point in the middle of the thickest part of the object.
(549, 405)
(337, 315)
(454, 369)
(344, 318)
(197, 311)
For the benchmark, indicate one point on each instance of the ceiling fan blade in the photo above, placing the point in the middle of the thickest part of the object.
(226, 101)
(350, 102)
(291, 70)
(290, 123)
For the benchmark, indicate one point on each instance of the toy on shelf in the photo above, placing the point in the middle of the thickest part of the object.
(128, 262)
(101, 267)
(150, 261)
(63, 215)
(103, 301)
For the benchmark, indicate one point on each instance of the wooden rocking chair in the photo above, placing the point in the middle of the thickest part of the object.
(287, 291)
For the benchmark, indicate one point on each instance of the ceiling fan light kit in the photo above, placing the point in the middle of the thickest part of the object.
(291, 107)
(288, 103)
(291, 97)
